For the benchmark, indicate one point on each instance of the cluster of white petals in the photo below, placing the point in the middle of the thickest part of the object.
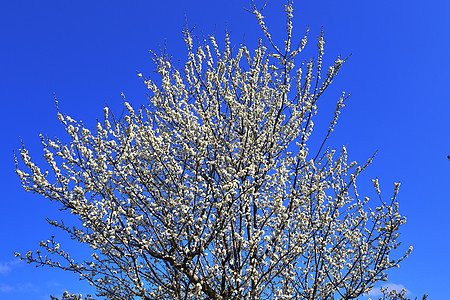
(211, 192)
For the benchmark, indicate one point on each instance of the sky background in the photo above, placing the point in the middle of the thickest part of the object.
(88, 52)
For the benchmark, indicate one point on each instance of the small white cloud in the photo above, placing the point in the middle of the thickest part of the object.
(4, 288)
(6, 267)
(53, 283)
(26, 287)
(391, 286)
(20, 287)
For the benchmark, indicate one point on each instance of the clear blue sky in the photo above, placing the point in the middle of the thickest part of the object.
(87, 52)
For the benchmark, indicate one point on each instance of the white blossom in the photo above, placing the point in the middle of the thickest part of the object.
(213, 190)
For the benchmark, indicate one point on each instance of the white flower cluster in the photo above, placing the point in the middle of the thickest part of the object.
(212, 192)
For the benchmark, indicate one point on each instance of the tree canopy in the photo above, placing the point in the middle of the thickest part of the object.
(211, 190)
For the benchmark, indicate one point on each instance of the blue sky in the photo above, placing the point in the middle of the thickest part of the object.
(88, 52)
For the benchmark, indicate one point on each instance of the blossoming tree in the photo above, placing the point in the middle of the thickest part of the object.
(211, 191)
